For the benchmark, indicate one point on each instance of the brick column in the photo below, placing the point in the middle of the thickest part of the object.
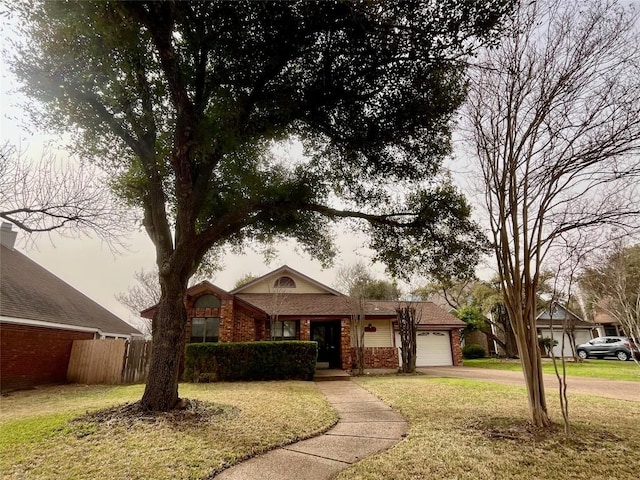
(226, 321)
(345, 344)
(305, 329)
(456, 350)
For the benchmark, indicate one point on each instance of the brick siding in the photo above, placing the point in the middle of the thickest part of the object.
(345, 343)
(244, 326)
(305, 329)
(456, 349)
(378, 357)
(31, 356)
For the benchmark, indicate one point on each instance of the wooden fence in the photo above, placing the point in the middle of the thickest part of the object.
(109, 361)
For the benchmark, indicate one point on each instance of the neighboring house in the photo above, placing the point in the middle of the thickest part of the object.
(605, 324)
(297, 307)
(550, 322)
(40, 317)
(468, 337)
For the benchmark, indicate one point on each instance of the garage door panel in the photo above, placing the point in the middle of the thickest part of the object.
(433, 348)
(581, 336)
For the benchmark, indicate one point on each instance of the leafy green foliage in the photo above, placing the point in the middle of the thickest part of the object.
(250, 361)
(244, 279)
(472, 351)
(358, 281)
(184, 102)
(473, 317)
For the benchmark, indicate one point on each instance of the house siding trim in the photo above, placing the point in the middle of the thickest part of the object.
(62, 326)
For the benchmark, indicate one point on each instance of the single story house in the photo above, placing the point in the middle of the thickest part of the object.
(550, 322)
(40, 317)
(288, 305)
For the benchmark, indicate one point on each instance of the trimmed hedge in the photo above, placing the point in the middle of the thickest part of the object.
(210, 362)
(473, 350)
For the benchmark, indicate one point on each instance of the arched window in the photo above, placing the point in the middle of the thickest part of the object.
(284, 282)
(207, 301)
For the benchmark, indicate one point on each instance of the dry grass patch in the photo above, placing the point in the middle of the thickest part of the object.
(464, 429)
(48, 434)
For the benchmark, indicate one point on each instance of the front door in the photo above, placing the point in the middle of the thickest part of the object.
(327, 334)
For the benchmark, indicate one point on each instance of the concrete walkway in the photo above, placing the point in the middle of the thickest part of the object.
(366, 426)
(618, 389)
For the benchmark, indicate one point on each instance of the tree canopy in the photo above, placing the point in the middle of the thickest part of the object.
(186, 102)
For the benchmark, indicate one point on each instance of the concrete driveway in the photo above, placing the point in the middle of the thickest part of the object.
(621, 390)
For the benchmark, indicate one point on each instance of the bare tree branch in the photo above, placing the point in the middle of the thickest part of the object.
(50, 195)
(554, 119)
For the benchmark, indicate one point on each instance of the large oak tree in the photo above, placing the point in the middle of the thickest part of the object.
(184, 102)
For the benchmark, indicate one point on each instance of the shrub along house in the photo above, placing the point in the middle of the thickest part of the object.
(40, 317)
(288, 305)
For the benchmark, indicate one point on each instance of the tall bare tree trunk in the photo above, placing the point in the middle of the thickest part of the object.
(529, 350)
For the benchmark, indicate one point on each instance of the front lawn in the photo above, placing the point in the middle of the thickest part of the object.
(38, 440)
(469, 430)
(609, 369)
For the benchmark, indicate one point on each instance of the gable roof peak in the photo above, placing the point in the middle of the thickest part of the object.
(280, 272)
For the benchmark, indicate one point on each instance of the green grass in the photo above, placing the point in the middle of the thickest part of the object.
(608, 369)
(38, 440)
(468, 430)
(458, 429)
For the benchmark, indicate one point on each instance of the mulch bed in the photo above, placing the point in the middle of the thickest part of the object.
(190, 414)
(524, 432)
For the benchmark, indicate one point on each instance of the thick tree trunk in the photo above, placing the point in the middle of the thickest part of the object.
(161, 391)
(408, 332)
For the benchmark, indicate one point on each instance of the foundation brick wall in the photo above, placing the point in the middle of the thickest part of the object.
(456, 349)
(378, 357)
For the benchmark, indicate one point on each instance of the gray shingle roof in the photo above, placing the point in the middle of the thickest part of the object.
(313, 304)
(29, 291)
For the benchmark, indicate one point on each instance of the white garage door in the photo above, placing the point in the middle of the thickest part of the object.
(433, 348)
(581, 336)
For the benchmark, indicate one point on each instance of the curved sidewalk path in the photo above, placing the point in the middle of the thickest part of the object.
(366, 426)
(618, 389)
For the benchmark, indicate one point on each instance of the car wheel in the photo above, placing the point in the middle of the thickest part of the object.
(582, 354)
(622, 356)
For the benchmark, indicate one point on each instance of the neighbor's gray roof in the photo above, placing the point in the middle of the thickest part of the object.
(29, 291)
(545, 318)
(314, 304)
